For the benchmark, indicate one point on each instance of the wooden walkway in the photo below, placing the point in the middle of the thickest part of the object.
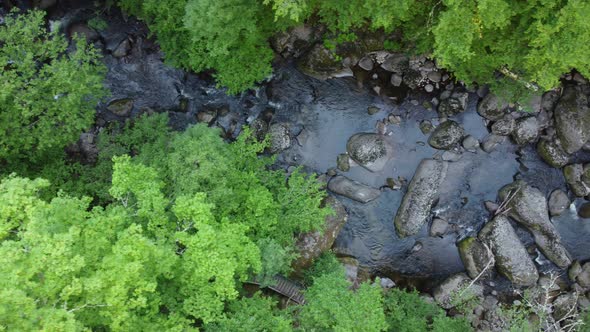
(285, 287)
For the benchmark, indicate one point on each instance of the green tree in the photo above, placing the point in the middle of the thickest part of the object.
(47, 95)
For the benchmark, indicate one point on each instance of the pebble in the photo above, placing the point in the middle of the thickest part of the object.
(429, 88)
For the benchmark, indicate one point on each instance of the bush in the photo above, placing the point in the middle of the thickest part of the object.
(47, 95)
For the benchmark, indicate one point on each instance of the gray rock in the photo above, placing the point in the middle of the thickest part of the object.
(343, 162)
(435, 76)
(565, 305)
(446, 135)
(549, 100)
(366, 63)
(454, 105)
(428, 88)
(207, 116)
(573, 176)
(492, 107)
(320, 62)
(122, 49)
(504, 126)
(439, 227)
(280, 137)
(511, 257)
(412, 78)
(396, 63)
(312, 244)
(492, 207)
(369, 150)
(558, 202)
(572, 119)
(422, 192)
(259, 129)
(552, 153)
(453, 292)
(451, 156)
(83, 30)
(386, 283)
(526, 130)
(470, 143)
(396, 80)
(492, 141)
(373, 110)
(474, 255)
(354, 190)
(583, 279)
(528, 206)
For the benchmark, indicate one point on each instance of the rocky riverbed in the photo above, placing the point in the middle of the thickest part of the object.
(437, 177)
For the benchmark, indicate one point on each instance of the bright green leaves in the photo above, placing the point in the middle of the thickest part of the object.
(47, 96)
(18, 197)
(333, 306)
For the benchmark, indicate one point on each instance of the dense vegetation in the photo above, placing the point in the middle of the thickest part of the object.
(47, 94)
(515, 46)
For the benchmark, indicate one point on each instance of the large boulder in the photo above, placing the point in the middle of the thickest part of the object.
(526, 130)
(396, 63)
(528, 206)
(552, 153)
(369, 150)
(455, 104)
(320, 62)
(446, 135)
(280, 137)
(510, 255)
(354, 190)
(312, 244)
(454, 291)
(574, 176)
(492, 107)
(572, 119)
(475, 256)
(418, 200)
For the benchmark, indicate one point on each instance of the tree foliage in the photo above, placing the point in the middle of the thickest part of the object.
(47, 95)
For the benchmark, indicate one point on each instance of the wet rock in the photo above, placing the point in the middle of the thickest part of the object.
(492, 107)
(386, 283)
(320, 63)
(470, 143)
(492, 141)
(394, 119)
(573, 176)
(396, 80)
(259, 128)
(453, 292)
(492, 207)
(526, 130)
(426, 126)
(366, 63)
(558, 202)
(572, 119)
(369, 150)
(549, 100)
(294, 42)
(428, 88)
(504, 126)
(446, 135)
(439, 227)
(584, 210)
(474, 255)
(528, 206)
(583, 278)
(312, 244)
(454, 105)
(564, 306)
(574, 271)
(280, 137)
(121, 107)
(373, 110)
(552, 153)
(435, 76)
(207, 116)
(343, 162)
(511, 257)
(122, 49)
(412, 78)
(354, 190)
(451, 156)
(422, 192)
(394, 184)
(396, 63)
